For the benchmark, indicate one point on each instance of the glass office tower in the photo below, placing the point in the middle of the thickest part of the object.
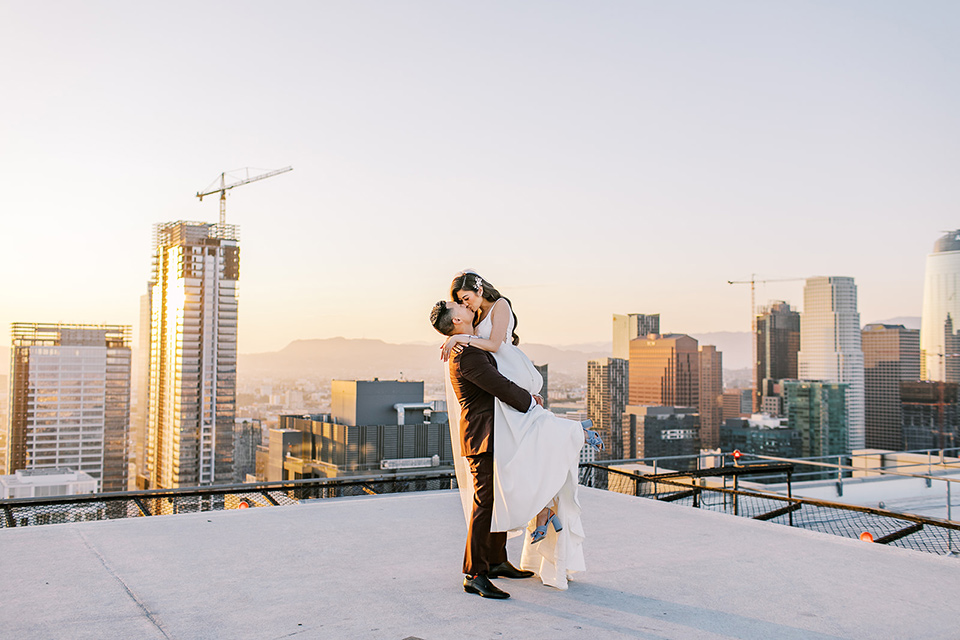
(70, 400)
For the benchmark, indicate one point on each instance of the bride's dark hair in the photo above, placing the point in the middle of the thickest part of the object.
(471, 281)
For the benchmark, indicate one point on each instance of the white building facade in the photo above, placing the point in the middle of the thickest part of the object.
(44, 483)
(830, 345)
(940, 322)
(193, 355)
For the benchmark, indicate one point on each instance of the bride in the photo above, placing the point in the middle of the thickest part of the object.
(536, 454)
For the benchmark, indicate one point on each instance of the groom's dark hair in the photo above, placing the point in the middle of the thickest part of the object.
(442, 318)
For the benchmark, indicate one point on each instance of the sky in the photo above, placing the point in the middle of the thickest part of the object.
(587, 158)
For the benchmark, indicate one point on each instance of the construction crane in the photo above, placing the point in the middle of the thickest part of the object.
(753, 323)
(224, 187)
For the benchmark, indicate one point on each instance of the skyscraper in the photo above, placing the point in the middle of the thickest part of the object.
(665, 371)
(607, 390)
(891, 355)
(630, 326)
(940, 322)
(711, 394)
(70, 400)
(778, 343)
(193, 355)
(830, 348)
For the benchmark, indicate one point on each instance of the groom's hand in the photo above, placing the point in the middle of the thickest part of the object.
(538, 398)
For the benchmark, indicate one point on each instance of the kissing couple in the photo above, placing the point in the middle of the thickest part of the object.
(516, 463)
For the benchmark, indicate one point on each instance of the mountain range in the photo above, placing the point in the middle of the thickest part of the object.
(367, 358)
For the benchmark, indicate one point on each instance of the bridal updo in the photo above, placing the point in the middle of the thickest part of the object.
(470, 280)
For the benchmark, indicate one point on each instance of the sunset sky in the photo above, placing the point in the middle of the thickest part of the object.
(588, 158)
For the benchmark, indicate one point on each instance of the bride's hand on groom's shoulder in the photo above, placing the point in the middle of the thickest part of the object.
(451, 345)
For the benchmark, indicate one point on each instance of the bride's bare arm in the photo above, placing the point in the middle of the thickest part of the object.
(499, 319)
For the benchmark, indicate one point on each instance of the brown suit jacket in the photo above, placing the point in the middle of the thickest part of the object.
(476, 382)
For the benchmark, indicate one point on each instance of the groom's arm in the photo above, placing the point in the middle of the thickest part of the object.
(477, 367)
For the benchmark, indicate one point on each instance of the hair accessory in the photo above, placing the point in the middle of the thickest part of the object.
(478, 282)
(465, 272)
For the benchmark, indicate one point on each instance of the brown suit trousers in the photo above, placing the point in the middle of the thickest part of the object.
(484, 549)
(477, 382)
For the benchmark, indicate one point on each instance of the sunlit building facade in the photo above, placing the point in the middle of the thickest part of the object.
(70, 400)
(193, 355)
(830, 345)
(607, 382)
(711, 396)
(627, 327)
(665, 371)
(940, 321)
(140, 409)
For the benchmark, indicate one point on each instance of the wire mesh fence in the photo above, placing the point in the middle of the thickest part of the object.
(23, 512)
(701, 489)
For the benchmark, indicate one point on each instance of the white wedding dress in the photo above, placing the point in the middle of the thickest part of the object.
(535, 460)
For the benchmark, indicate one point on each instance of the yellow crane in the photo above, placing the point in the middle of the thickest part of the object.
(224, 187)
(753, 323)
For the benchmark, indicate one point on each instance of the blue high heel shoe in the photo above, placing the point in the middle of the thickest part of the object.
(593, 438)
(540, 532)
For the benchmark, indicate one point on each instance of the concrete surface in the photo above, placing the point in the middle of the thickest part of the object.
(388, 567)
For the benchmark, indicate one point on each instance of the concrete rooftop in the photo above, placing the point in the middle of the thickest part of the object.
(388, 567)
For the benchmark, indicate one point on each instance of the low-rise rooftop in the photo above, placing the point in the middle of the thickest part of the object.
(389, 567)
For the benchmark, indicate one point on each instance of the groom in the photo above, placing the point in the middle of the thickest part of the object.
(476, 382)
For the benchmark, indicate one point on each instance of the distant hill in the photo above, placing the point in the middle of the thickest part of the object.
(910, 322)
(365, 359)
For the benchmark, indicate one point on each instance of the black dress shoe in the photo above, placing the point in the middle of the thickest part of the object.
(507, 570)
(481, 586)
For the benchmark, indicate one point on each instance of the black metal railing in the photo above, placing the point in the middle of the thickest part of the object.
(21, 512)
(693, 488)
(718, 488)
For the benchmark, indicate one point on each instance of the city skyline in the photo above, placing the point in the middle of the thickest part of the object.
(673, 149)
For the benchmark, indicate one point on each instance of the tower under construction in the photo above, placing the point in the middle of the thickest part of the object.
(193, 355)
